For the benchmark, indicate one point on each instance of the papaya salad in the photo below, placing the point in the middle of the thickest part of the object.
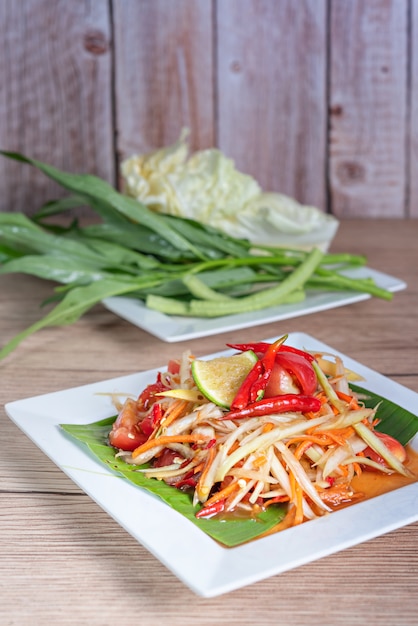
(267, 424)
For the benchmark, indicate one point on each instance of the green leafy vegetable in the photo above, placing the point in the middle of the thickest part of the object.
(394, 420)
(232, 533)
(174, 265)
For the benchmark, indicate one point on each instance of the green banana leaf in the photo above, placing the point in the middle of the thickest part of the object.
(395, 421)
(231, 533)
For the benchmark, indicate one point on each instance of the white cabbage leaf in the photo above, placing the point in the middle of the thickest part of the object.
(207, 187)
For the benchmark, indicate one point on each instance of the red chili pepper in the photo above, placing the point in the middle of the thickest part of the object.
(262, 346)
(152, 420)
(306, 355)
(157, 414)
(148, 396)
(267, 362)
(277, 404)
(256, 381)
(257, 347)
(242, 397)
(212, 509)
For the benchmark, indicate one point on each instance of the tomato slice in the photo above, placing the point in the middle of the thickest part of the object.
(166, 458)
(147, 398)
(126, 433)
(173, 366)
(393, 446)
(280, 382)
(290, 370)
(126, 438)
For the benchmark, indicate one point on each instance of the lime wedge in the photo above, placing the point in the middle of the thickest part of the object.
(219, 379)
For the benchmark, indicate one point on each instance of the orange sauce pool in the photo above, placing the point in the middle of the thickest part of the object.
(370, 485)
(373, 484)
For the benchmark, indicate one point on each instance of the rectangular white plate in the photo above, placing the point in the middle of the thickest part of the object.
(196, 559)
(172, 328)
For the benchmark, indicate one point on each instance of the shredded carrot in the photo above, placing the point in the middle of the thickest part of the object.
(337, 435)
(259, 461)
(326, 409)
(165, 440)
(292, 482)
(299, 505)
(357, 468)
(208, 462)
(268, 427)
(323, 400)
(343, 469)
(223, 493)
(351, 400)
(276, 500)
(326, 437)
(301, 449)
(340, 435)
(319, 438)
(234, 446)
(174, 411)
(344, 396)
(334, 409)
(297, 499)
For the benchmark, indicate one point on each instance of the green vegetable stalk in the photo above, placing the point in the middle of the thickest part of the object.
(175, 265)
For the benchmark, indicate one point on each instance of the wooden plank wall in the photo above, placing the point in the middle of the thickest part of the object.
(315, 98)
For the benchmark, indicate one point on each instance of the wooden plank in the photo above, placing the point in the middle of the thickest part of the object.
(272, 93)
(368, 107)
(163, 74)
(55, 97)
(413, 135)
(70, 558)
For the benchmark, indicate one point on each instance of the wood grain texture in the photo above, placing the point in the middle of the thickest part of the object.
(64, 561)
(271, 69)
(412, 145)
(163, 74)
(316, 98)
(55, 94)
(77, 566)
(368, 107)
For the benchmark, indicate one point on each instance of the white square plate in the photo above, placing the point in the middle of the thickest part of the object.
(172, 328)
(200, 562)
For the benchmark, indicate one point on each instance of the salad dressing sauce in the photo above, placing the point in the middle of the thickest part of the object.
(370, 484)
(373, 484)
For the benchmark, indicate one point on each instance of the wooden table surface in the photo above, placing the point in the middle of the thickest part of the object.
(64, 561)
